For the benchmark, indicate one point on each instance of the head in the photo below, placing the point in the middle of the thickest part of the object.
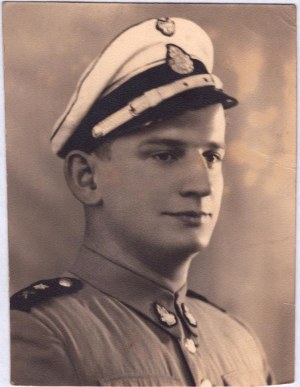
(143, 139)
(157, 189)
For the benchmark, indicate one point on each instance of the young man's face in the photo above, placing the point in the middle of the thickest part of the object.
(162, 188)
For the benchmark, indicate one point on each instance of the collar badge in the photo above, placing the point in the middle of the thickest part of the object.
(178, 60)
(188, 315)
(166, 26)
(167, 318)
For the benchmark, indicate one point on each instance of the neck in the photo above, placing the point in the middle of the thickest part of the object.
(168, 270)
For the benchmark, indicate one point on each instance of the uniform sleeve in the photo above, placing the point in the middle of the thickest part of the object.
(269, 376)
(38, 356)
(268, 373)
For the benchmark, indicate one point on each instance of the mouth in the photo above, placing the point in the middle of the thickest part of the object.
(192, 218)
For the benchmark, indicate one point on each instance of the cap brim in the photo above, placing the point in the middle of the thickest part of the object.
(192, 99)
(189, 100)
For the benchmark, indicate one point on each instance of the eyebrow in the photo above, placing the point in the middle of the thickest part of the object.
(178, 143)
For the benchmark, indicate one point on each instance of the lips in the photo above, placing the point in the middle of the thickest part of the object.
(193, 218)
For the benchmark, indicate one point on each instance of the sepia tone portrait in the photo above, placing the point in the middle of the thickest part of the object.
(151, 200)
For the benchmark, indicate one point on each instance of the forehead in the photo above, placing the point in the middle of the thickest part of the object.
(200, 126)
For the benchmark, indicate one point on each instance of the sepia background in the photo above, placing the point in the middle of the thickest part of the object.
(249, 268)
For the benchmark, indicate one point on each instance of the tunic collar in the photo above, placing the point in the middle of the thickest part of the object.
(146, 297)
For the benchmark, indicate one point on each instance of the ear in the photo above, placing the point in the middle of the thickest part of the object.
(80, 175)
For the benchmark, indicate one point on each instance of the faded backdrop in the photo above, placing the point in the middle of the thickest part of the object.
(249, 268)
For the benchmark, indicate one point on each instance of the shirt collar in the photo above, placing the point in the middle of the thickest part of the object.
(155, 302)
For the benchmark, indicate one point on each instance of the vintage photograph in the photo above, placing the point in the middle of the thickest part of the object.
(151, 169)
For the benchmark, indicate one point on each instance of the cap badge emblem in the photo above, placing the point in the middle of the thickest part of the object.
(166, 26)
(188, 315)
(167, 318)
(178, 60)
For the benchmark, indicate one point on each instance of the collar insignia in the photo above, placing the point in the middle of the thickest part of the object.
(167, 318)
(179, 60)
(166, 26)
(188, 315)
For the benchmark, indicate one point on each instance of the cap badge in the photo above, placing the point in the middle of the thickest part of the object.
(188, 315)
(166, 26)
(178, 60)
(167, 318)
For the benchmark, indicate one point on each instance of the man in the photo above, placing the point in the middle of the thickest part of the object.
(143, 140)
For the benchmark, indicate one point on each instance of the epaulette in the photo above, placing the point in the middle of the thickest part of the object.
(42, 290)
(192, 294)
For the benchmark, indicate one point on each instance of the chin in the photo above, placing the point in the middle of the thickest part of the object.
(189, 247)
(198, 241)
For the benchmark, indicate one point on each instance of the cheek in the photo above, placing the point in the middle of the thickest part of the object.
(220, 185)
(125, 187)
(217, 189)
(111, 178)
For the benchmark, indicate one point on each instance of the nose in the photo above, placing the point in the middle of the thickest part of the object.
(196, 182)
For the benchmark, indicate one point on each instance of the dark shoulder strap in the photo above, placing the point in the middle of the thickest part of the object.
(43, 290)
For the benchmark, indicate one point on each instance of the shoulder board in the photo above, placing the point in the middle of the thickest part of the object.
(42, 290)
(192, 294)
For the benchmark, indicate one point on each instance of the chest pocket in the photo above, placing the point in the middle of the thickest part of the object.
(244, 378)
(141, 380)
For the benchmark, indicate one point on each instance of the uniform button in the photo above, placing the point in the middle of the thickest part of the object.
(205, 383)
(65, 282)
(41, 286)
(190, 346)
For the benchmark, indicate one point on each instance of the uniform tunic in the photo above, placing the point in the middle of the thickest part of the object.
(121, 329)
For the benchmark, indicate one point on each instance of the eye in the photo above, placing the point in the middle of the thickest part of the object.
(165, 156)
(212, 157)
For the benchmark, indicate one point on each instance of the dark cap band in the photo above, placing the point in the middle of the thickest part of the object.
(150, 79)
